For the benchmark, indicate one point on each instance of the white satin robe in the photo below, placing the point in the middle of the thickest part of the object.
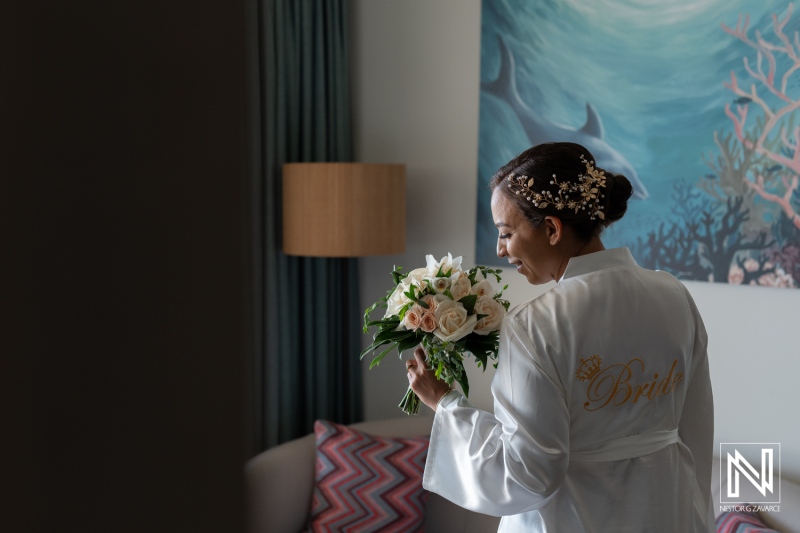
(617, 443)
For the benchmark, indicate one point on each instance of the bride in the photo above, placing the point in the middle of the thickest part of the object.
(603, 411)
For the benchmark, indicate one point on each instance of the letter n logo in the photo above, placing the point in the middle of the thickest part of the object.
(747, 481)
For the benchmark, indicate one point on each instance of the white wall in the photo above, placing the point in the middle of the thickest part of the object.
(416, 73)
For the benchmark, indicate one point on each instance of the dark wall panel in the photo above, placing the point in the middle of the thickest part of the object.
(123, 266)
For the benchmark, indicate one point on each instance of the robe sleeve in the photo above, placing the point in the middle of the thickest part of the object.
(696, 427)
(511, 461)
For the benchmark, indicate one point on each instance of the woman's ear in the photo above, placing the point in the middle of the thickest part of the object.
(554, 229)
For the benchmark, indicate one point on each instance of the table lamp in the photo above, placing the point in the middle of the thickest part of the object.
(344, 209)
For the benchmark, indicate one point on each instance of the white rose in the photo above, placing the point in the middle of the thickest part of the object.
(460, 287)
(397, 300)
(494, 311)
(417, 278)
(417, 275)
(440, 285)
(454, 324)
(483, 289)
(447, 263)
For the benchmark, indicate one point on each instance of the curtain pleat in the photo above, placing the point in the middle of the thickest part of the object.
(308, 336)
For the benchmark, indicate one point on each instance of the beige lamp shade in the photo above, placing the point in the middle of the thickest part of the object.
(344, 209)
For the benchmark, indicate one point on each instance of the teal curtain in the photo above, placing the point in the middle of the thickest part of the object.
(307, 309)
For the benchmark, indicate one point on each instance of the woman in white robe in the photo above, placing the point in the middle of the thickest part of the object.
(603, 411)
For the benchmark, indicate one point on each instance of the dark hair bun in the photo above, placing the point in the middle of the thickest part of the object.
(619, 191)
(569, 162)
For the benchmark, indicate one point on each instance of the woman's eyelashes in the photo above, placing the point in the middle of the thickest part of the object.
(505, 235)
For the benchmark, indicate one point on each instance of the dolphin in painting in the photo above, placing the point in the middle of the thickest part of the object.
(540, 131)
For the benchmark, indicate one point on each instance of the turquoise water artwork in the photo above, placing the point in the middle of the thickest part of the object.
(694, 101)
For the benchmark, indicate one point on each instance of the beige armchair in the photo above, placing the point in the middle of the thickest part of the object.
(280, 483)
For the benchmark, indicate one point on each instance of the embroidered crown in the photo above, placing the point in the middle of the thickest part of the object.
(589, 368)
(585, 193)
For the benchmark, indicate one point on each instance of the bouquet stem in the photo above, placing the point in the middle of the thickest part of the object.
(410, 403)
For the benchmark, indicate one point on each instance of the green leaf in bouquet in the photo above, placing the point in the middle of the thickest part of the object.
(393, 337)
(397, 275)
(422, 304)
(463, 380)
(456, 365)
(372, 347)
(410, 293)
(390, 335)
(500, 293)
(486, 273)
(384, 322)
(448, 294)
(482, 347)
(468, 302)
(407, 343)
(386, 333)
(377, 360)
(369, 310)
(456, 355)
(404, 310)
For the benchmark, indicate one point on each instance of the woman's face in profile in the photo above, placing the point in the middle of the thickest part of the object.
(525, 247)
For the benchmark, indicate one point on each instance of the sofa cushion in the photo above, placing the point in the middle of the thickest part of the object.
(367, 483)
(741, 522)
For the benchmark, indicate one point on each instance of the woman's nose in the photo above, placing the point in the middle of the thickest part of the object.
(501, 249)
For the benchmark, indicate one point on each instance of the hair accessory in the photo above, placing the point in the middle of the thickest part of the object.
(586, 191)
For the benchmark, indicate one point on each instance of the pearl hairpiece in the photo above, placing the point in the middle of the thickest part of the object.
(588, 186)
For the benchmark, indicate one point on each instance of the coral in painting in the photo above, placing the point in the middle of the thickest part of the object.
(740, 223)
(702, 239)
(787, 159)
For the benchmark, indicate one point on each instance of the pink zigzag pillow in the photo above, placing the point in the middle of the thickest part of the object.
(366, 483)
(741, 522)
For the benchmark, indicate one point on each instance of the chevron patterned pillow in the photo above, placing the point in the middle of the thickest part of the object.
(366, 483)
(741, 522)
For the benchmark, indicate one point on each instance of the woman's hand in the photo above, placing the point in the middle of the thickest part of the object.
(423, 380)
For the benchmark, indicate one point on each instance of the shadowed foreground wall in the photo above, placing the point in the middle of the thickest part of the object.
(124, 273)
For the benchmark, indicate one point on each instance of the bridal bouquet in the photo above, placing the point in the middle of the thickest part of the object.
(449, 311)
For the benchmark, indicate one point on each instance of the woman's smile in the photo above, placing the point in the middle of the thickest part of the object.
(525, 247)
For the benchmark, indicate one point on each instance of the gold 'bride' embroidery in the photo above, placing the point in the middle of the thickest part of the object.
(618, 383)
